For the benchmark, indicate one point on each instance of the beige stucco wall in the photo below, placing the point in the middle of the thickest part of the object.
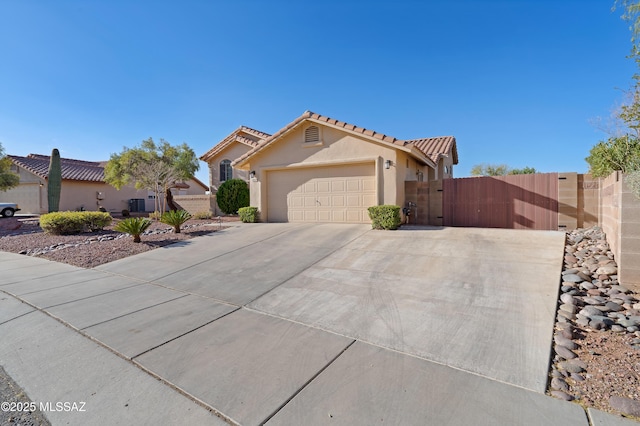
(232, 152)
(75, 195)
(337, 147)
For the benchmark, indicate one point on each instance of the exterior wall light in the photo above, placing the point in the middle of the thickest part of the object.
(252, 174)
(387, 164)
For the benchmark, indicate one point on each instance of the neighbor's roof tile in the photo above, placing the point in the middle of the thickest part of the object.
(37, 164)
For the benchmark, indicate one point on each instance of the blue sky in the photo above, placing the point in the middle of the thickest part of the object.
(516, 82)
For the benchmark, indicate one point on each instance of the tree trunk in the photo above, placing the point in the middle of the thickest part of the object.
(172, 206)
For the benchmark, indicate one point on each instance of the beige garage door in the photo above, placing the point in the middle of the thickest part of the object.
(338, 194)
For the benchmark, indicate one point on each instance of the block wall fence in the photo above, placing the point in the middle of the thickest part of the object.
(584, 201)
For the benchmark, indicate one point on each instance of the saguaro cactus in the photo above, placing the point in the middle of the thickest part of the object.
(54, 181)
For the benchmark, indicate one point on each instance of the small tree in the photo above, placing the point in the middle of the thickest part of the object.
(232, 195)
(151, 166)
(8, 179)
(617, 153)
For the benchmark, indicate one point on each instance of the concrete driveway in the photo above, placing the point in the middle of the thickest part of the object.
(295, 324)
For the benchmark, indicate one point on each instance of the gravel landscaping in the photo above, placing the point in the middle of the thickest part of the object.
(597, 335)
(90, 249)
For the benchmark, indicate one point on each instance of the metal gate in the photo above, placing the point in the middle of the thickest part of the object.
(514, 201)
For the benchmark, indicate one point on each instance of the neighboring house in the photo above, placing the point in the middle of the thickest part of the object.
(220, 157)
(83, 187)
(317, 169)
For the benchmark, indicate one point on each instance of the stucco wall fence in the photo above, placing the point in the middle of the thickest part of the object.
(198, 203)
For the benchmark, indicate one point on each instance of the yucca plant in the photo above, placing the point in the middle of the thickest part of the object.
(133, 226)
(175, 218)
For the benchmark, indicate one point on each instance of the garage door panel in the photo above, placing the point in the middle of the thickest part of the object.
(368, 200)
(296, 201)
(338, 201)
(324, 201)
(337, 186)
(324, 186)
(324, 216)
(353, 185)
(321, 194)
(354, 200)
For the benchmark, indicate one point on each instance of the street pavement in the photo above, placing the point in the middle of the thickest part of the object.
(294, 324)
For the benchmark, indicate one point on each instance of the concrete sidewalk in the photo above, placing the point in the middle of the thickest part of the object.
(295, 324)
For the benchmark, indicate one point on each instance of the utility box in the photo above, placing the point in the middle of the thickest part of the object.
(136, 205)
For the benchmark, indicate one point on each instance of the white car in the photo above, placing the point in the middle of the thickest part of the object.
(8, 209)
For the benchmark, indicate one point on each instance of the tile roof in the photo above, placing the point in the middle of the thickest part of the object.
(238, 135)
(437, 147)
(37, 164)
(431, 148)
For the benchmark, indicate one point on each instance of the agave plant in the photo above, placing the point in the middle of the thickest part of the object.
(133, 226)
(175, 218)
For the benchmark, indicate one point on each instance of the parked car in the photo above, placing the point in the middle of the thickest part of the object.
(8, 209)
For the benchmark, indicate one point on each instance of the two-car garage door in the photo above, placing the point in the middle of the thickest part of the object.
(338, 194)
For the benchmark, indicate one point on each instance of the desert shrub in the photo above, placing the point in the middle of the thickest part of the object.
(63, 223)
(155, 215)
(385, 217)
(96, 221)
(233, 195)
(202, 215)
(125, 213)
(175, 218)
(133, 226)
(248, 214)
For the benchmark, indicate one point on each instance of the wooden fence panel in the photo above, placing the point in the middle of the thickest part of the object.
(514, 201)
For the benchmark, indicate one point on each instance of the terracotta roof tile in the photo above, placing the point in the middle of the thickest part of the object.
(432, 148)
(436, 147)
(37, 164)
(236, 136)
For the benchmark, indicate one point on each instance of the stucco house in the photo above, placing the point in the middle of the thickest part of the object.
(83, 187)
(220, 157)
(318, 169)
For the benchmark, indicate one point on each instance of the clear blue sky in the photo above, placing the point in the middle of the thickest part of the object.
(515, 82)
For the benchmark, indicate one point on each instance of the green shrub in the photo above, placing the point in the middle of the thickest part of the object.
(62, 223)
(248, 214)
(155, 215)
(96, 221)
(385, 217)
(133, 226)
(202, 215)
(175, 218)
(233, 195)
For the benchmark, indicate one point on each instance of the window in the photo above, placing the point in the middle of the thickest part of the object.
(312, 134)
(226, 172)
